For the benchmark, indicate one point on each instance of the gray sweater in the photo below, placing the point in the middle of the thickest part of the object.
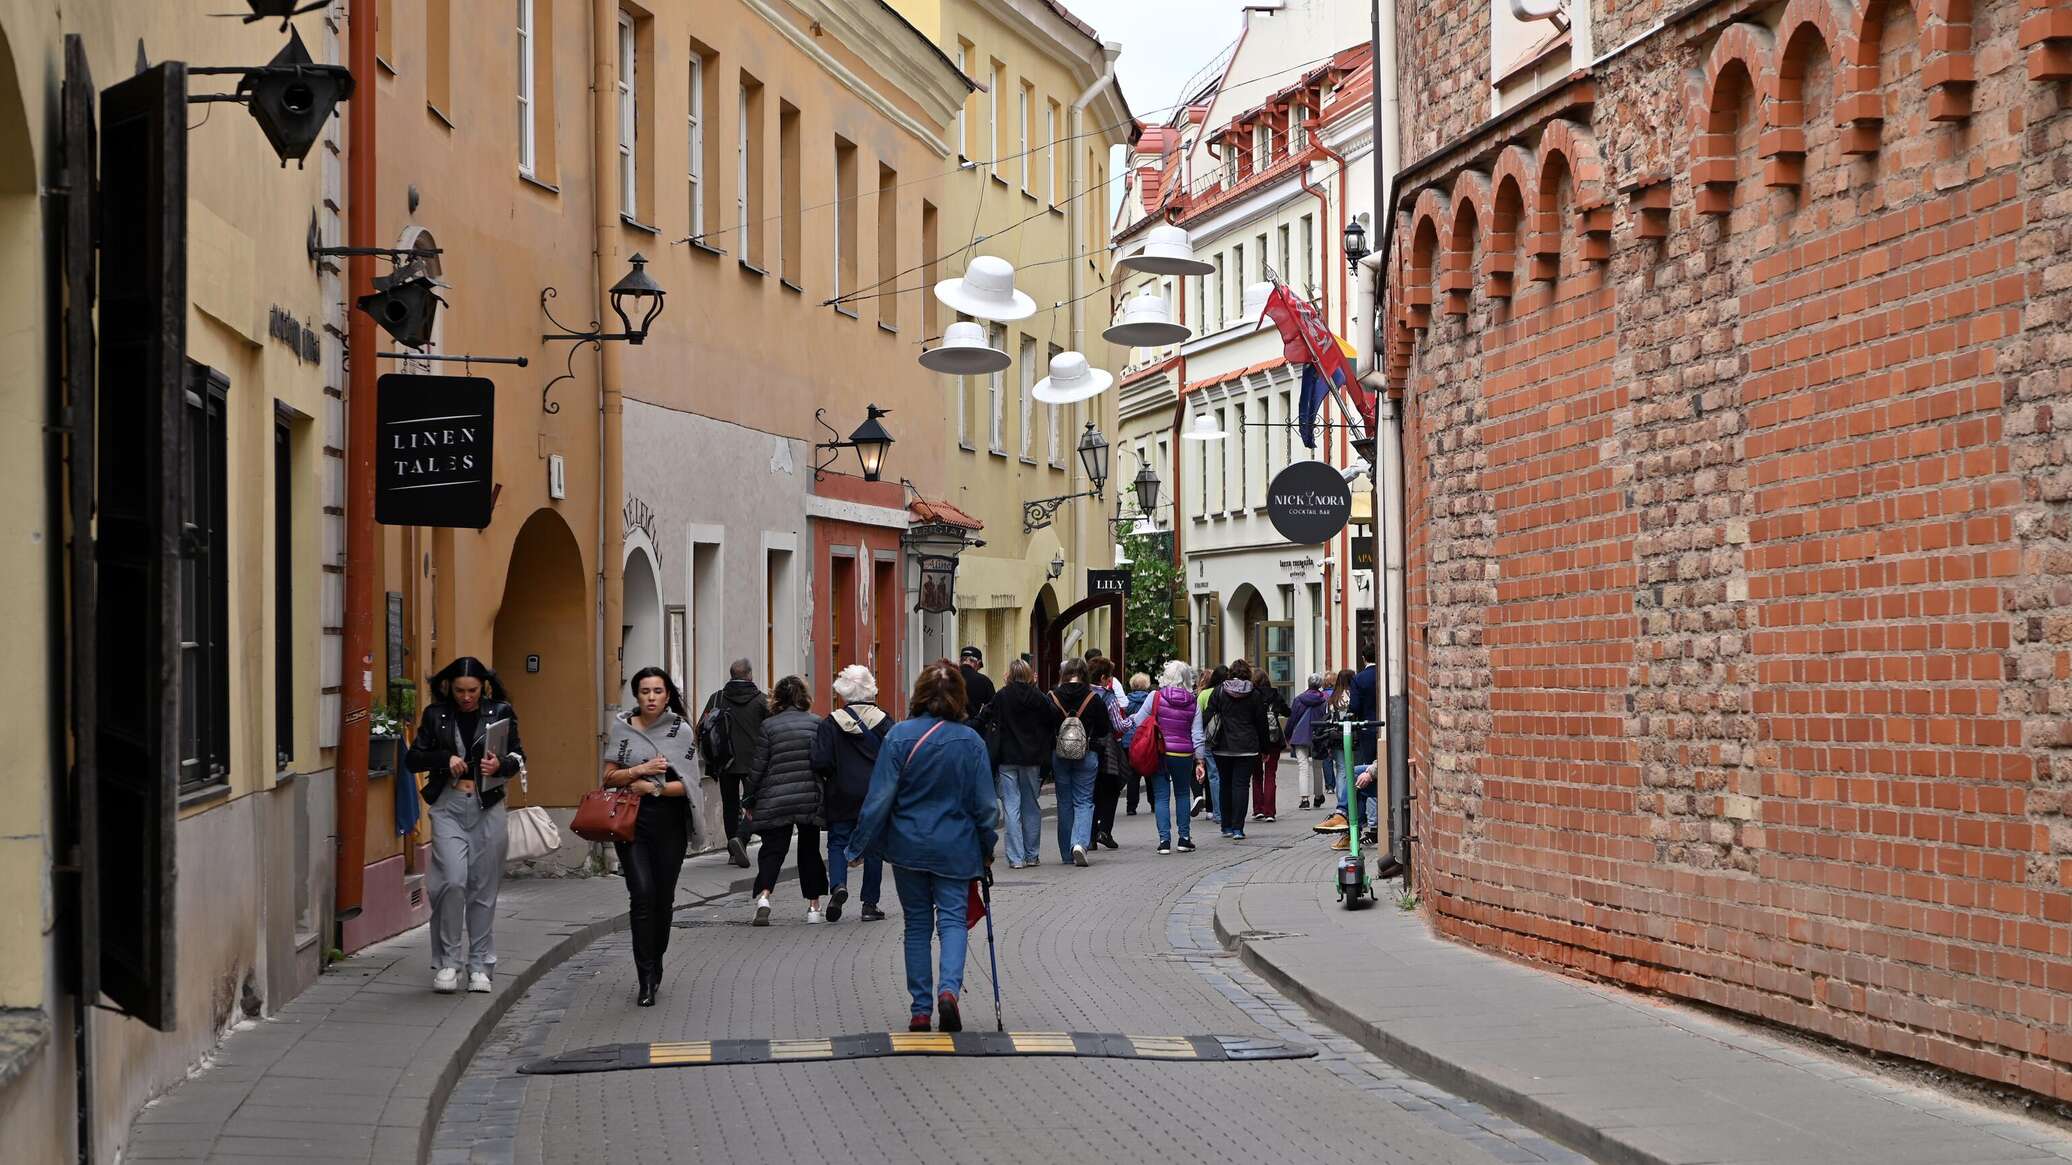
(781, 788)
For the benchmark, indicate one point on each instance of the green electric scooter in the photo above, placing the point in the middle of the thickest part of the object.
(1355, 886)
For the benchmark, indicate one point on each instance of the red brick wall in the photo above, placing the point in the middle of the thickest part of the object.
(1740, 559)
(1442, 55)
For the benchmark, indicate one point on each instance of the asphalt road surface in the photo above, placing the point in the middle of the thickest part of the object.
(1123, 946)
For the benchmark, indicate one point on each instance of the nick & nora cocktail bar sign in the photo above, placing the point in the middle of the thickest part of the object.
(1309, 502)
(432, 450)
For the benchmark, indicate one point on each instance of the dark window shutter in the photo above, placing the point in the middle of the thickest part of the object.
(84, 836)
(143, 368)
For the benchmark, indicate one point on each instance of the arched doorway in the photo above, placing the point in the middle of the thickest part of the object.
(1248, 607)
(640, 636)
(1041, 612)
(1050, 652)
(544, 656)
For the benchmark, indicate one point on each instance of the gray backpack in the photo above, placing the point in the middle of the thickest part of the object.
(1072, 733)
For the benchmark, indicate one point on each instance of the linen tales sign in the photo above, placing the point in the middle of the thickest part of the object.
(432, 450)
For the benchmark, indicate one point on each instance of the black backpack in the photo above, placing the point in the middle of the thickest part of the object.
(716, 737)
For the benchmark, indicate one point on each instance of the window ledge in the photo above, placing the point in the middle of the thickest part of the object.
(532, 179)
(965, 445)
(790, 286)
(439, 113)
(998, 178)
(383, 61)
(998, 452)
(752, 269)
(888, 329)
(627, 220)
(708, 248)
(284, 774)
(1031, 195)
(1028, 460)
(846, 310)
(1057, 210)
(23, 1033)
(203, 794)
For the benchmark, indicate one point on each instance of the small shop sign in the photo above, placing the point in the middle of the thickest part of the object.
(433, 445)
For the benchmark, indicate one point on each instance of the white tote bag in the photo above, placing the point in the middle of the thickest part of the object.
(529, 833)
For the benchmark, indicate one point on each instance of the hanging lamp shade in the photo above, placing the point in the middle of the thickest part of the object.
(986, 292)
(1071, 380)
(1147, 322)
(1167, 251)
(964, 352)
(1204, 428)
(1144, 526)
(1256, 295)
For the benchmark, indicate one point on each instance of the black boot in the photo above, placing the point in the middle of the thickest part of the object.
(647, 989)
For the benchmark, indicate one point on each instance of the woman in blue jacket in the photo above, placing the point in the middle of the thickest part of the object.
(930, 815)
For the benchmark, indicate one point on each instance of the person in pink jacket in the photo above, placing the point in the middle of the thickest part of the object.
(1177, 714)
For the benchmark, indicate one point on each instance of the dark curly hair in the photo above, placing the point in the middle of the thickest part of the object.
(791, 692)
(467, 665)
(938, 691)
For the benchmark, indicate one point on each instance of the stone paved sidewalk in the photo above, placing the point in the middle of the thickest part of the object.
(354, 1068)
(1624, 1078)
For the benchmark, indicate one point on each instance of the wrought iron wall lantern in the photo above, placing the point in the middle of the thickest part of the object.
(1093, 457)
(1146, 486)
(935, 547)
(285, 10)
(633, 295)
(1355, 243)
(291, 96)
(405, 302)
(870, 440)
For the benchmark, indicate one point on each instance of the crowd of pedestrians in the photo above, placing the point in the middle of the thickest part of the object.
(933, 795)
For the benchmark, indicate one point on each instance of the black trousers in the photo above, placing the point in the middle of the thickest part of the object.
(651, 863)
(1107, 789)
(1236, 774)
(730, 804)
(770, 860)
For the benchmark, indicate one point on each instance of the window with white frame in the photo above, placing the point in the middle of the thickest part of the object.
(999, 76)
(996, 387)
(527, 127)
(964, 67)
(1242, 438)
(629, 118)
(1057, 459)
(1229, 163)
(1309, 254)
(963, 401)
(1298, 132)
(1021, 123)
(696, 140)
(1050, 127)
(1262, 146)
(1028, 403)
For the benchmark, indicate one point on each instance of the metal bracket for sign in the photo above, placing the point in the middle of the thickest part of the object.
(1041, 512)
(552, 406)
(520, 361)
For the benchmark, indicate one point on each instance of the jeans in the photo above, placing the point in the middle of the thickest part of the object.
(770, 861)
(1172, 789)
(1370, 804)
(838, 863)
(1327, 760)
(1213, 781)
(650, 864)
(928, 902)
(1021, 818)
(1075, 780)
(1236, 773)
(467, 870)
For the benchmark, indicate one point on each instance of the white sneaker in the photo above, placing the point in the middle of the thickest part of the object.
(762, 911)
(1079, 855)
(446, 980)
(813, 914)
(478, 982)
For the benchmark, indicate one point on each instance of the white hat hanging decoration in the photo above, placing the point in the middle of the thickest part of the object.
(1147, 322)
(1204, 428)
(964, 352)
(1166, 251)
(1256, 295)
(986, 292)
(1071, 380)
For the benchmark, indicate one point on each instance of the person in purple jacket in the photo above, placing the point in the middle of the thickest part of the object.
(1302, 739)
(1177, 712)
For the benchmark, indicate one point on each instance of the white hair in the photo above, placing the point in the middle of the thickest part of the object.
(856, 685)
(1175, 674)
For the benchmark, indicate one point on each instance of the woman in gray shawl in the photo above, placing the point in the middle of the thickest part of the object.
(653, 751)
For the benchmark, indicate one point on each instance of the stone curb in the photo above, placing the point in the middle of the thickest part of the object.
(500, 1002)
(1531, 1112)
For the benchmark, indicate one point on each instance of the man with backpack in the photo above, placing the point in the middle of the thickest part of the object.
(1076, 757)
(728, 728)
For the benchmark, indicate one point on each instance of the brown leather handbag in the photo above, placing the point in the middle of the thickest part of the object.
(606, 815)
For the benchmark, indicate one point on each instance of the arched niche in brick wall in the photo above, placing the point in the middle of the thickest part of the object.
(1469, 212)
(1514, 188)
(1429, 224)
(1568, 150)
(1808, 37)
(1737, 71)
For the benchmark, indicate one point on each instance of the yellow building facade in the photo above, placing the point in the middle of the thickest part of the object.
(1033, 145)
(202, 811)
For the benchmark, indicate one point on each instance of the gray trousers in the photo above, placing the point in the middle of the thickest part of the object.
(467, 869)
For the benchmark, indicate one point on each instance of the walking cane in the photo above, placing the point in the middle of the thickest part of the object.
(993, 956)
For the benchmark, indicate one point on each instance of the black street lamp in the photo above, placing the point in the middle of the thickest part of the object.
(1147, 486)
(870, 440)
(1093, 456)
(291, 96)
(1355, 243)
(634, 294)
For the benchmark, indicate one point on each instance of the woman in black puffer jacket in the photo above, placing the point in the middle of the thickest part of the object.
(783, 793)
(1237, 734)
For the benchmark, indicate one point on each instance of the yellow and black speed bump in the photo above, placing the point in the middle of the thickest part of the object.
(1107, 1045)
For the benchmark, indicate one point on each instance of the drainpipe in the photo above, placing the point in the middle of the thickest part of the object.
(356, 651)
(1393, 655)
(611, 433)
(1109, 51)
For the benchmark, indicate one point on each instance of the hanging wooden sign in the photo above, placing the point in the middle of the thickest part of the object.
(434, 440)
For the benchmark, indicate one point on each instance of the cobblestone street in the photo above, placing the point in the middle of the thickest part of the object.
(1125, 946)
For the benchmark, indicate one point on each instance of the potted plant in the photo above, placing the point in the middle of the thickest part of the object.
(385, 728)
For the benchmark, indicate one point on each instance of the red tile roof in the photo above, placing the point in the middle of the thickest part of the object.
(924, 510)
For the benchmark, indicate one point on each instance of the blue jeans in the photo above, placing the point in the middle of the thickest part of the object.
(1021, 818)
(1328, 758)
(928, 902)
(838, 863)
(1075, 780)
(1173, 789)
(1214, 781)
(1370, 803)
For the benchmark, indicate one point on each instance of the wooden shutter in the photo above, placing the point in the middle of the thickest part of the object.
(143, 220)
(84, 829)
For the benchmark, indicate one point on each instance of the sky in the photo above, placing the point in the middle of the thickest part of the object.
(1164, 42)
